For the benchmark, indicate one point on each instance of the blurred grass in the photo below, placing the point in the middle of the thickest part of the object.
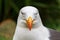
(7, 29)
(2, 38)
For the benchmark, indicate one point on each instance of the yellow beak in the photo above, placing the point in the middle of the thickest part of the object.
(29, 22)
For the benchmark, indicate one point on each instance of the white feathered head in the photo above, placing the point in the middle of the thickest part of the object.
(29, 15)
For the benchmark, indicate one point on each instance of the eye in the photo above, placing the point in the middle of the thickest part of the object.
(22, 13)
(35, 15)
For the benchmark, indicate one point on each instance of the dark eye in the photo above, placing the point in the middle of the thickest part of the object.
(35, 13)
(22, 13)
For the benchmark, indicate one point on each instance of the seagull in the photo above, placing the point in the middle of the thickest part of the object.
(30, 27)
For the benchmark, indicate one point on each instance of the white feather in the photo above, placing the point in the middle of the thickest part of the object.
(38, 32)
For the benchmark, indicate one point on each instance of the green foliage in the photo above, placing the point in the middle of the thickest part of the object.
(0, 8)
(27, 2)
(0, 5)
(2, 38)
(6, 8)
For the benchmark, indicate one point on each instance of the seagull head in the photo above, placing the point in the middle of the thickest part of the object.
(29, 15)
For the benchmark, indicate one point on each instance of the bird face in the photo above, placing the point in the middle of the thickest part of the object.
(29, 15)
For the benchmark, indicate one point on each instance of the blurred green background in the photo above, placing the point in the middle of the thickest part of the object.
(9, 10)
